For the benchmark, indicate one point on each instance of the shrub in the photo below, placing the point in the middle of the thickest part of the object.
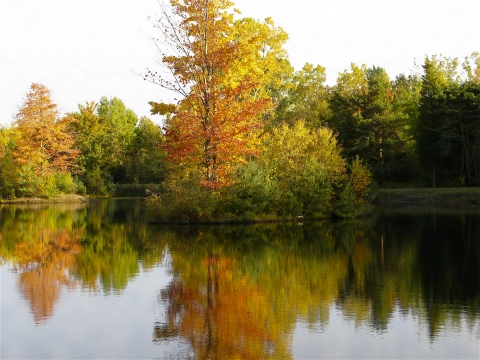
(306, 165)
(98, 183)
(353, 197)
(345, 206)
(361, 179)
(29, 184)
(254, 191)
(65, 183)
(183, 201)
(80, 187)
(8, 177)
(49, 185)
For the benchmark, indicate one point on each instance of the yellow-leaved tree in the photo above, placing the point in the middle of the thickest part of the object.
(215, 64)
(307, 166)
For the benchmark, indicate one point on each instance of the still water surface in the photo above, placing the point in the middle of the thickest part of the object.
(96, 281)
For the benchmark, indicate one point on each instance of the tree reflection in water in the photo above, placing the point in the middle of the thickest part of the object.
(225, 316)
(42, 267)
(238, 292)
(43, 250)
(241, 291)
(55, 247)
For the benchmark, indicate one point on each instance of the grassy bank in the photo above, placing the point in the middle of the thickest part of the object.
(59, 199)
(140, 190)
(429, 196)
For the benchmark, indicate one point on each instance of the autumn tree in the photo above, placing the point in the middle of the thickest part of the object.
(270, 65)
(42, 147)
(44, 142)
(306, 99)
(216, 123)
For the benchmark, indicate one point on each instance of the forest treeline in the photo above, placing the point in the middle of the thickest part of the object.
(87, 151)
(250, 136)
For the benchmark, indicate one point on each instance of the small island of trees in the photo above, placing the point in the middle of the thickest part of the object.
(250, 138)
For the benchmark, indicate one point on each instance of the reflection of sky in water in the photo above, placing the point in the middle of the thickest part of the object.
(405, 338)
(88, 325)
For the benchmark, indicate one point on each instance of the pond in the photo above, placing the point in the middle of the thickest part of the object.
(96, 281)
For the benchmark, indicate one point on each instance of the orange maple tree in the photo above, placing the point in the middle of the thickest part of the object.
(217, 123)
(43, 142)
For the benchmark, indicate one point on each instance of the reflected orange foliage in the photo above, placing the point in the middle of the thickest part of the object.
(43, 265)
(42, 291)
(227, 315)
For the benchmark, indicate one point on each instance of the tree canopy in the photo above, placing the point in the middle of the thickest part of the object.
(241, 114)
(43, 141)
(218, 70)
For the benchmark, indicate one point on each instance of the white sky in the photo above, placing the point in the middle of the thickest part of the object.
(83, 49)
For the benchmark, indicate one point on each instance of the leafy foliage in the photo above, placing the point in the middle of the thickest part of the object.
(353, 197)
(297, 176)
(43, 141)
(306, 98)
(146, 159)
(449, 120)
(116, 146)
(214, 68)
(37, 154)
(373, 118)
(307, 166)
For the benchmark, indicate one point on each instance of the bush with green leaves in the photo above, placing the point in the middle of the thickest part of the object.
(300, 174)
(353, 197)
(99, 183)
(307, 166)
(183, 201)
(29, 184)
(254, 191)
(8, 177)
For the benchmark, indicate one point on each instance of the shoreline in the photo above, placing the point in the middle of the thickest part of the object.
(449, 197)
(60, 199)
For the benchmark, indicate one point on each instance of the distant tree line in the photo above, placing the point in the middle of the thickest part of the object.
(419, 129)
(87, 151)
(249, 133)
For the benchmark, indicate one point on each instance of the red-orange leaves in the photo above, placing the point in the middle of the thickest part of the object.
(44, 142)
(217, 123)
